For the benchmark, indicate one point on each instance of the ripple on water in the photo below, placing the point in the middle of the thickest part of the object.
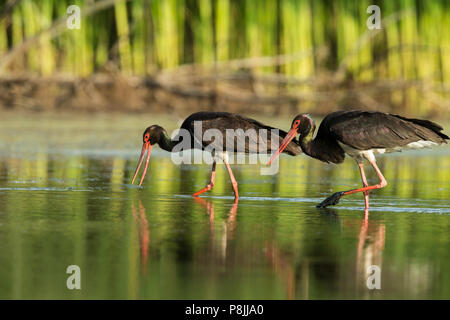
(43, 189)
(350, 204)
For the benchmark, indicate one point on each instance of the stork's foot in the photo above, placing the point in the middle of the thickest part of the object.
(207, 188)
(331, 200)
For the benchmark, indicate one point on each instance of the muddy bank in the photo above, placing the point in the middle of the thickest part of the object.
(240, 92)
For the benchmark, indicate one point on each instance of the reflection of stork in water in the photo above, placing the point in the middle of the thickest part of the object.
(229, 225)
(144, 234)
(280, 262)
(370, 247)
(283, 267)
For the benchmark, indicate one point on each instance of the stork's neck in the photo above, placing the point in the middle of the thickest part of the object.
(166, 143)
(310, 146)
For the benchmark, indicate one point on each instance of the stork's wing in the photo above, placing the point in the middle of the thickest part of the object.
(235, 133)
(246, 135)
(365, 130)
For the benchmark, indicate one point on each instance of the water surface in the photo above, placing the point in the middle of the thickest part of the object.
(66, 199)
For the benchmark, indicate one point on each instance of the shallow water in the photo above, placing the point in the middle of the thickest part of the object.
(66, 199)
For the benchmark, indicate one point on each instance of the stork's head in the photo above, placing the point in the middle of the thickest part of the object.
(152, 135)
(302, 125)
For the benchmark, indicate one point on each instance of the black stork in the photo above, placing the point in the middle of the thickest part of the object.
(221, 121)
(361, 135)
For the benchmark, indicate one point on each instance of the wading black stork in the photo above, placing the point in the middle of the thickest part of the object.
(361, 135)
(243, 141)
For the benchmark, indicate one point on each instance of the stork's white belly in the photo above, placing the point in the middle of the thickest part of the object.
(421, 144)
(370, 154)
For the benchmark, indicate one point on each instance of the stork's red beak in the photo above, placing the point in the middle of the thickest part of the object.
(146, 146)
(290, 135)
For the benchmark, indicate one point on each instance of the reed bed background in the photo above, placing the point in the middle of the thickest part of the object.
(266, 55)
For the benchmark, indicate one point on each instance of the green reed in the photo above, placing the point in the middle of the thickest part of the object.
(144, 36)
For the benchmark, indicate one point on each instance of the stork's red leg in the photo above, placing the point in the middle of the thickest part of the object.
(232, 179)
(210, 185)
(382, 184)
(365, 184)
(335, 197)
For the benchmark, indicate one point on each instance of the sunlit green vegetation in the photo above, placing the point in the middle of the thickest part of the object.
(148, 35)
(321, 40)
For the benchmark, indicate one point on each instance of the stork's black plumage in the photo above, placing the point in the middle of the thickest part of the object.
(246, 133)
(218, 132)
(361, 135)
(367, 130)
